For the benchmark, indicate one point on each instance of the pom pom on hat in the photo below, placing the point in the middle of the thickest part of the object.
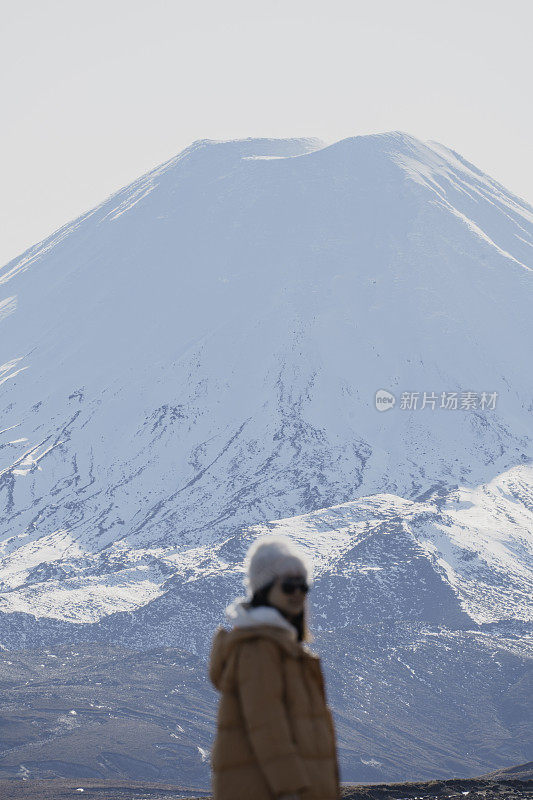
(272, 555)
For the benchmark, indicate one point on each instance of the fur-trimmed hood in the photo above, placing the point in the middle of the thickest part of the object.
(242, 615)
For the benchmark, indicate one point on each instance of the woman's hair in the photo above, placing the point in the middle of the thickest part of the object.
(260, 598)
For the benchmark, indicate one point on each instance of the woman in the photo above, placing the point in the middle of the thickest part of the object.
(275, 734)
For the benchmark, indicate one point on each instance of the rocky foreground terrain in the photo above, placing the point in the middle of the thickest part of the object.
(496, 786)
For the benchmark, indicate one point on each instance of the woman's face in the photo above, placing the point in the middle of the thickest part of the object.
(290, 604)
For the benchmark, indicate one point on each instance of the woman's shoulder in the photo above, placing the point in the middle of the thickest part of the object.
(267, 638)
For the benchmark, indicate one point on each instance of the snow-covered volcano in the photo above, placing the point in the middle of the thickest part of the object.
(197, 360)
(202, 350)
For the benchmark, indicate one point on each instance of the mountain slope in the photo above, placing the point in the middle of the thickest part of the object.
(201, 351)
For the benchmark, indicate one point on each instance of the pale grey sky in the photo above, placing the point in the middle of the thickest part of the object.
(96, 92)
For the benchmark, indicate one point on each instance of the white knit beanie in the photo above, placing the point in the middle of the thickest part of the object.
(272, 555)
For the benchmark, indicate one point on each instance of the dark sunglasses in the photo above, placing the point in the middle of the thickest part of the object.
(289, 587)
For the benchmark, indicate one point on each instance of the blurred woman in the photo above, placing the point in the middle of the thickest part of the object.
(275, 735)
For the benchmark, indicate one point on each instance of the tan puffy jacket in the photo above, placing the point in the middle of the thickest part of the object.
(275, 732)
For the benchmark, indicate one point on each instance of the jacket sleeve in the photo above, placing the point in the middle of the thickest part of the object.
(216, 660)
(260, 687)
(334, 737)
(331, 725)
